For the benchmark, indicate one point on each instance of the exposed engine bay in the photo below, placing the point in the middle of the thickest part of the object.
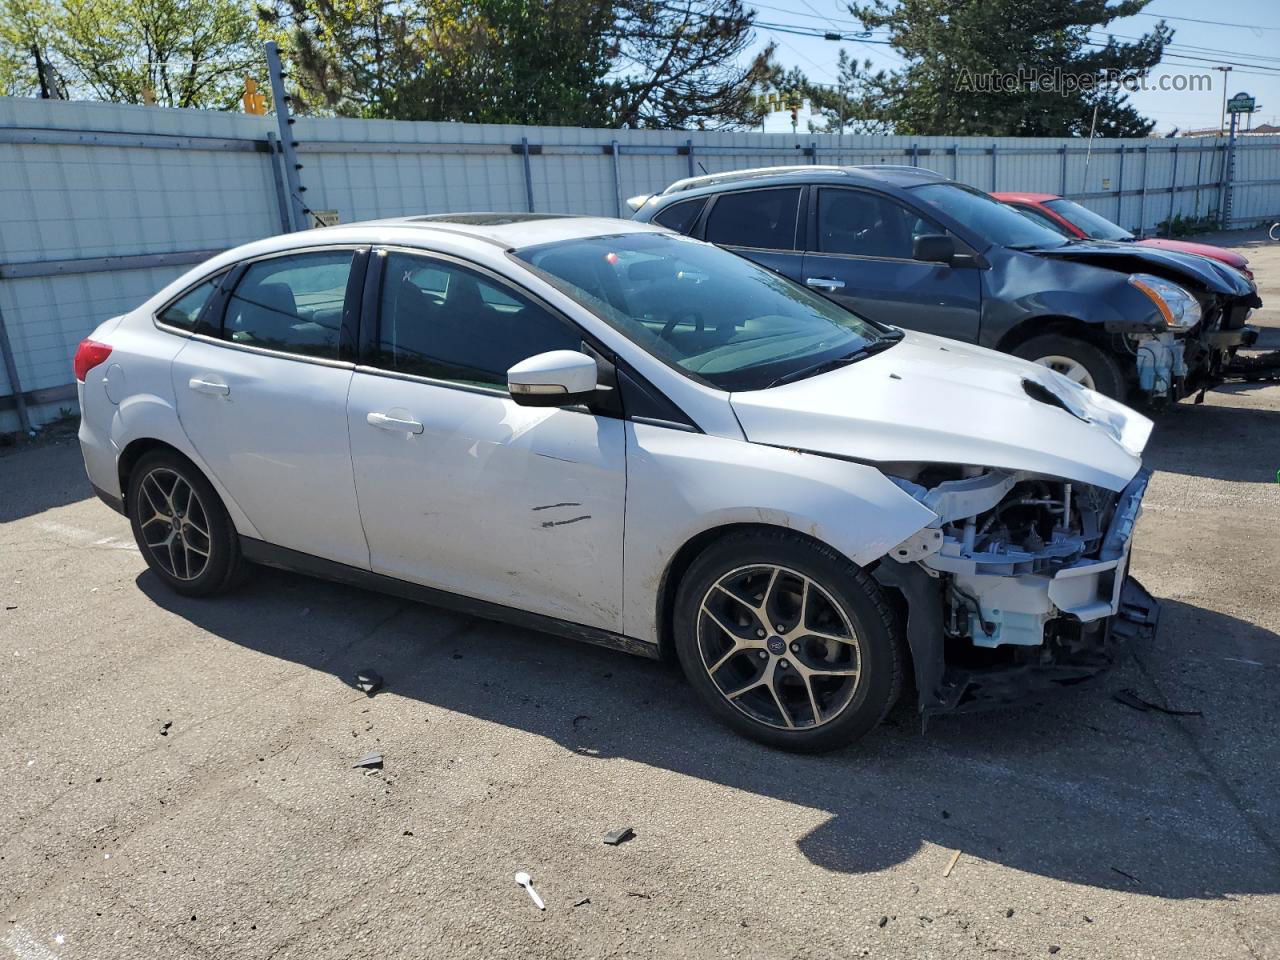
(1028, 571)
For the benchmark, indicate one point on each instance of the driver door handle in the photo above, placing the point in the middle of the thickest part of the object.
(824, 283)
(393, 424)
(214, 387)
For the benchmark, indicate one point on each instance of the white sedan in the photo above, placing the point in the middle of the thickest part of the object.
(601, 429)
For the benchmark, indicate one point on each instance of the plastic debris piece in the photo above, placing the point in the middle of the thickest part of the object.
(526, 881)
(164, 728)
(955, 857)
(583, 902)
(369, 681)
(370, 761)
(621, 835)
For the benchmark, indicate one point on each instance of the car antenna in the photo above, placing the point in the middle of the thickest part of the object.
(703, 169)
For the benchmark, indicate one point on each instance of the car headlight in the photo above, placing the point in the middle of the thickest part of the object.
(1181, 311)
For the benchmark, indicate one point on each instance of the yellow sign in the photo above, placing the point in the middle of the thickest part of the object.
(254, 102)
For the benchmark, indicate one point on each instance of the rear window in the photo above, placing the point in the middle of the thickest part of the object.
(680, 216)
(765, 219)
(183, 312)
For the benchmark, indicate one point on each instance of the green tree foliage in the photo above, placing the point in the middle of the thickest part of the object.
(637, 63)
(952, 48)
(180, 53)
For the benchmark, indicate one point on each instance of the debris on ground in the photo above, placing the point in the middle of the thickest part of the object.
(578, 719)
(883, 921)
(955, 857)
(1009, 912)
(1130, 698)
(615, 837)
(583, 902)
(1055, 948)
(164, 728)
(370, 761)
(526, 881)
(1127, 876)
(637, 893)
(369, 681)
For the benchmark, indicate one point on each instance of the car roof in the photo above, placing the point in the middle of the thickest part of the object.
(514, 230)
(1026, 197)
(872, 174)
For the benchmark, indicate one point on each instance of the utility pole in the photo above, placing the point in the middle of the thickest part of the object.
(1222, 123)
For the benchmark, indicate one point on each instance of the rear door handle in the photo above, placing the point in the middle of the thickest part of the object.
(394, 424)
(214, 387)
(825, 283)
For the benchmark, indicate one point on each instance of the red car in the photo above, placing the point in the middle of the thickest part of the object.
(1073, 220)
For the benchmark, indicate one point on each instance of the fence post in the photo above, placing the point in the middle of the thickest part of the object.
(1199, 171)
(689, 146)
(813, 151)
(1173, 188)
(994, 153)
(528, 171)
(1120, 188)
(1142, 198)
(1063, 150)
(617, 177)
(297, 209)
(11, 370)
(915, 154)
(282, 197)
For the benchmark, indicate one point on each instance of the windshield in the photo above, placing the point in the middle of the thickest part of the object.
(987, 216)
(1094, 226)
(709, 313)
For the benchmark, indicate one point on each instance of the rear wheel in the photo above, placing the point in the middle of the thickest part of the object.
(181, 526)
(1078, 360)
(786, 641)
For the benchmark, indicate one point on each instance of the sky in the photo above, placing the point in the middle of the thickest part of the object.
(1244, 31)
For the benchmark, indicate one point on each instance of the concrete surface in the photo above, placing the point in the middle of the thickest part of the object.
(241, 830)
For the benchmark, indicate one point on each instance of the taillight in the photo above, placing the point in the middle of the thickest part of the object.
(89, 354)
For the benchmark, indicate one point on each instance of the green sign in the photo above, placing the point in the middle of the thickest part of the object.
(1241, 103)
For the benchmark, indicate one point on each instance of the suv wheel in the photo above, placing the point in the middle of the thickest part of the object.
(786, 641)
(1078, 360)
(181, 526)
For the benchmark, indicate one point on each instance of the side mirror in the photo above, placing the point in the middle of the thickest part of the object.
(557, 378)
(934, 248)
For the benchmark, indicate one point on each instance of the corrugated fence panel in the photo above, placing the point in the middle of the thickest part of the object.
(88, 180)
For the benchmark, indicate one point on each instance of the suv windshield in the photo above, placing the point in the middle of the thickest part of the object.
(987, 216)
(1095, 226)
(709, 313)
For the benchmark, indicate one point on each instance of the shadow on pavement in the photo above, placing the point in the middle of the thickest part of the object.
(38, 478)
(1080, 789)
(1225, 443)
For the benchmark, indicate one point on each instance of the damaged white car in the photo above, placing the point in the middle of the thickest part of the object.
(604, 430)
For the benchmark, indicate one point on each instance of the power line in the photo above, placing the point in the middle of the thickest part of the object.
(1214, 23)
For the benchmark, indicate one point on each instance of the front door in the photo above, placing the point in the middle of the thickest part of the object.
(763, 225)
(861, 256)
(263, 398)
(462, 489)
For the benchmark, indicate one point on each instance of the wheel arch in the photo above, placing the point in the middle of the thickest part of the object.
(1061, 325)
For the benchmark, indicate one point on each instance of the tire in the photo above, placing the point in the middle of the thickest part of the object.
(847, 627)
(1101, 370)
(196, 554)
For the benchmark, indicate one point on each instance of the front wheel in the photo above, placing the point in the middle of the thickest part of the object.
(1078, 360)
(181, 526)
(786, 641)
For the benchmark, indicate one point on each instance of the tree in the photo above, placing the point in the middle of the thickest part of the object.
(677, 65)
(176, 53)
(1024, 68)
(635, 63)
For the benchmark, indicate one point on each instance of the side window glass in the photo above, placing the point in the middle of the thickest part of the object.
(1044, 221)
(680, 216)
(184, 311)
(446, 322)
(755, 218)
(291, 303)
(866, 225)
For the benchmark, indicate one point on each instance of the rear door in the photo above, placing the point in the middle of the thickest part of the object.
(764, 225)
(860, 254)
(262, 393)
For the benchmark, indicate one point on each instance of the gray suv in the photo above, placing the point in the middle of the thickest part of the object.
(908, 247)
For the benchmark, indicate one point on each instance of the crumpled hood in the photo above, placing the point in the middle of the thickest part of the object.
(1213, 275)
(941, 401)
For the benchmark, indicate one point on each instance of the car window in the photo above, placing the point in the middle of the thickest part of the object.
(1093, 224)
(183, 312)
(863, 224)
(680, 216)
(707, 312)
(755, 218)
(1031, 213)
(986, 217)
(291, 303)
(443, 321)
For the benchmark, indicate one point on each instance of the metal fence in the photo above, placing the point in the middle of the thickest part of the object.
(102, 204)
